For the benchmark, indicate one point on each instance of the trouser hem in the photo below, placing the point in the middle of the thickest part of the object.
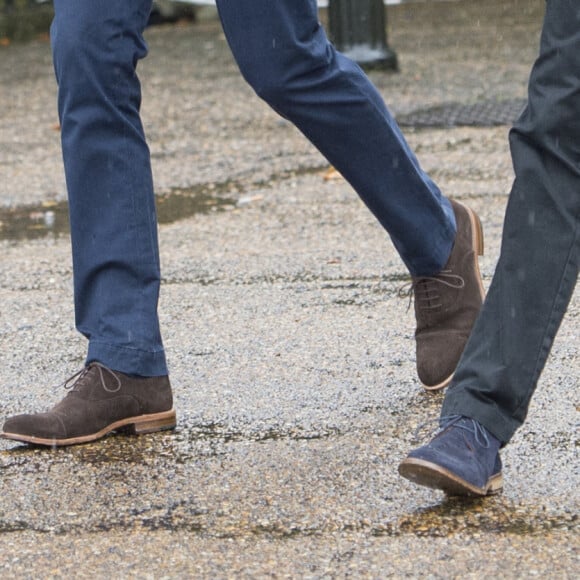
(460, 402)
(128, 360)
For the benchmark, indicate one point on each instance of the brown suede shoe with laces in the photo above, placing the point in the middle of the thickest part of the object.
(447, 304)
(100, 401)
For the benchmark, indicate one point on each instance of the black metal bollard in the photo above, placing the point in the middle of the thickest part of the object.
(358, 28)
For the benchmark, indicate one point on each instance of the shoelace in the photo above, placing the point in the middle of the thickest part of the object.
(75, 380)
(470, 425)
(425, 289)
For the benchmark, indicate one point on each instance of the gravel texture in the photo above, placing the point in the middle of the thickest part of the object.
(291, 352)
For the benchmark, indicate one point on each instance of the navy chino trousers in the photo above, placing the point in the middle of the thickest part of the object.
(284, 54)
(538, 267)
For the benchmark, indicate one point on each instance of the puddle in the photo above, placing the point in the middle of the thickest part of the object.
(476, 515)
(24, 23)
(32, 222)
(180, 477)
(50, 219)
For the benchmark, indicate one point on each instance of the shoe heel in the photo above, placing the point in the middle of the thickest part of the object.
(495, 485)
(153, 423)
(477, 234)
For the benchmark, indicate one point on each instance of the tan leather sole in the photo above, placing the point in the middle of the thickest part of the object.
(436, 477)
(438, 387)
(478, 243)
(136, 425)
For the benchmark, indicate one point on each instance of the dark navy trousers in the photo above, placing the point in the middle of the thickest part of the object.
(538, 267)
(284, 54)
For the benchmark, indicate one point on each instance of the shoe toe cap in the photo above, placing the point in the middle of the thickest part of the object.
(435, 371)
(42, 425)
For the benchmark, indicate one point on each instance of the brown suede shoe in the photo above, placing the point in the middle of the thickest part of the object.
(446, 305)
(100, 401)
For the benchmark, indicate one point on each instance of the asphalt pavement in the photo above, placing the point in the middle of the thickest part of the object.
(291, 351)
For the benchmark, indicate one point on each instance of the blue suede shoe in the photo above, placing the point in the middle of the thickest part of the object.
(461, 459)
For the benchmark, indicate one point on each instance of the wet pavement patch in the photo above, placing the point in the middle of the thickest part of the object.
(52, 219)
(106, 471)
(33, 222)
(489, 515)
